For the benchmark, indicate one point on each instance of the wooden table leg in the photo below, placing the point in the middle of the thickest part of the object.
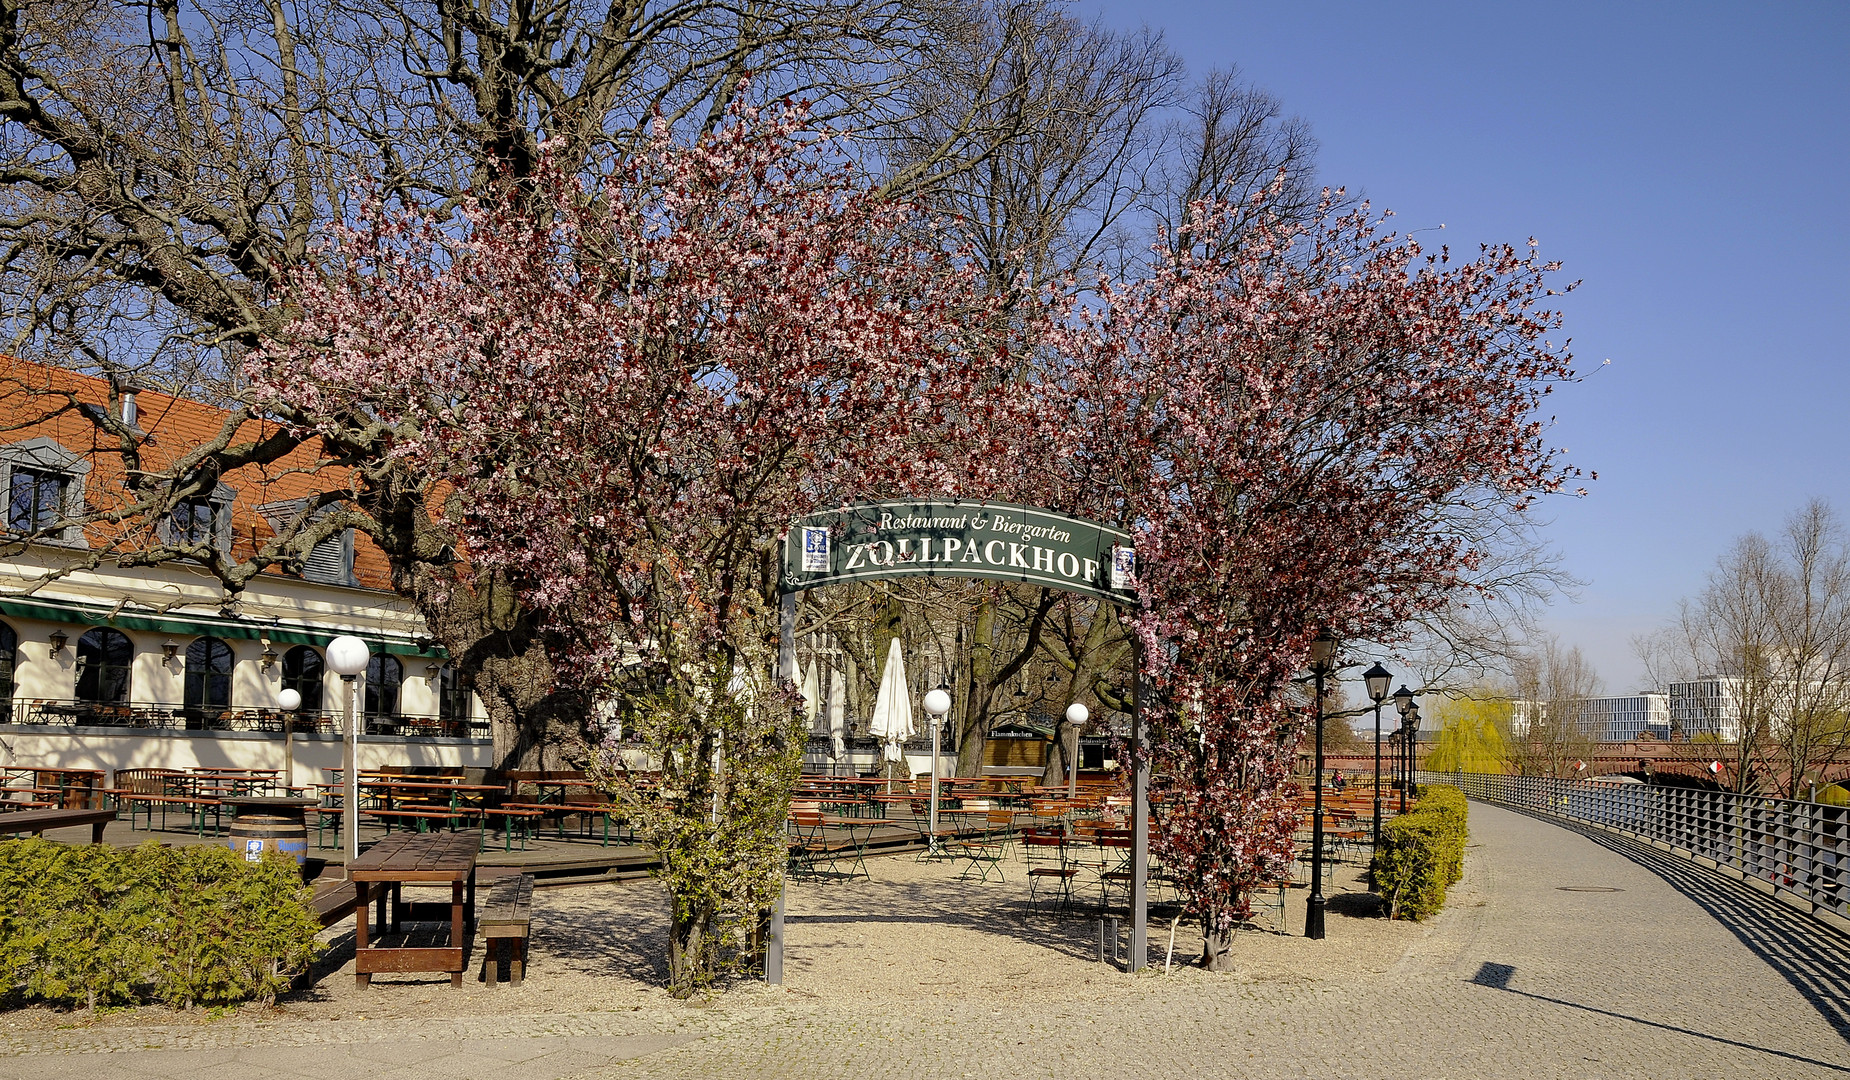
(359, 933)
(456, 931)
(96, 831)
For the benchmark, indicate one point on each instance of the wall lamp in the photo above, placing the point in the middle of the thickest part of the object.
(57, 640)
(169, 649)
(267, 658)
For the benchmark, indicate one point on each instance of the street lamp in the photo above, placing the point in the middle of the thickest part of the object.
(348, 656)
(289, 701)
(1322, 650)
(1076, 716)
(1378, 679)
(1403, 700)
(1409, 737)
(937, 703)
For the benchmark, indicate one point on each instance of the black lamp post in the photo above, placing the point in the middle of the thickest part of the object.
(1403, 701)
(1378, 679)
(1409, 736)
(1322, 650)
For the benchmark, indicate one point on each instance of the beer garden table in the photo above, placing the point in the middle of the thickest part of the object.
(414, 859)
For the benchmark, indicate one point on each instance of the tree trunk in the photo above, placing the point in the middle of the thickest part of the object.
(688, 940)
(973, 726)
(1216, 947)
(501, 652)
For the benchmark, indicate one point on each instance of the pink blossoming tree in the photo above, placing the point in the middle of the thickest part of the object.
(1306, 426)
(633, 385)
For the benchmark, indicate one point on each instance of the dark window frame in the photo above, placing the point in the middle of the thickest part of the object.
(112, 662)
(455, 702)
(47, 459)
(313, 688)
(385, 680)
(205, 682)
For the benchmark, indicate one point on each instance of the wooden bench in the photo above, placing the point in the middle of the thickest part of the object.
(37, 821)
(196, 808)
(334, 903)
(509, 815)
(419, 816)
(506, 919)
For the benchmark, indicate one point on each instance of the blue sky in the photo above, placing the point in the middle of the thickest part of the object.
(1687, 162)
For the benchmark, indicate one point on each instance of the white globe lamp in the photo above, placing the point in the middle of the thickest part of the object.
(290, 702)
(1076, 714)
(348, 656)
(937, 702)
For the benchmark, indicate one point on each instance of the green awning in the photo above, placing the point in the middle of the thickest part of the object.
(68, 611)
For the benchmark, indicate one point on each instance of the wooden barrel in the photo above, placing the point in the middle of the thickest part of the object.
(270, 825)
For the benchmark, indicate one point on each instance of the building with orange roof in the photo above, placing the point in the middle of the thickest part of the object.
(107, 664)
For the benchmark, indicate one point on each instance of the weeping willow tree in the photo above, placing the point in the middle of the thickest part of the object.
(1471, 738)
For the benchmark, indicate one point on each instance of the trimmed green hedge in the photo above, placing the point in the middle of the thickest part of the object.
(89, 925)
(1422, 853)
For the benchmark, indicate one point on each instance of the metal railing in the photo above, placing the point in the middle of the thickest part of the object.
(54, 712)
(1801, 849)
(870, 744)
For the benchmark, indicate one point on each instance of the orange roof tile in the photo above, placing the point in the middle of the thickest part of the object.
(44, 401)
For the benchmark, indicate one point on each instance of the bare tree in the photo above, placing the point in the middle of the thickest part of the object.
(1770, 635)
(1068, 129)
(1812, 643)
(1231, 143)
(1554, 729)
(165, 168)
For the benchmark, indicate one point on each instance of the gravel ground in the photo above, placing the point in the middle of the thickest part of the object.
(910, 931)
(1561, 956)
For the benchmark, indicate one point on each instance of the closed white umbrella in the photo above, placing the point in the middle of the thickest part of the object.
(892, 723)
(837, 711)
(812, 695)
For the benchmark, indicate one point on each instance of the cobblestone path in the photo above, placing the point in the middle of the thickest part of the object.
(1561, 955)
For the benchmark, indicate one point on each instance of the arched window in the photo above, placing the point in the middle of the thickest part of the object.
(9, 652)
(383, 676)
(302, 670)
(104, 657)
(453, 705)
(208, 679)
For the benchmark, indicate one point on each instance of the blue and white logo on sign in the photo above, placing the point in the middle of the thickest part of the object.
(1123, 567)
(815, 549)
(253, 851)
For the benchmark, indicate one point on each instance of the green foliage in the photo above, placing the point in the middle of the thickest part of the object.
(731, 756)
(1422, 854)
(92, 925)
(1471, 737)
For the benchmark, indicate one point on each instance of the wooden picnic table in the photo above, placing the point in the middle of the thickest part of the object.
(414, 859)
(37, 821)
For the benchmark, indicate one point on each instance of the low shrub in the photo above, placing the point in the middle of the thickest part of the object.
(90, 925)
(1422, 853)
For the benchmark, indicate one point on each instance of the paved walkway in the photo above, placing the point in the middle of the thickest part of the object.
(1561, 955)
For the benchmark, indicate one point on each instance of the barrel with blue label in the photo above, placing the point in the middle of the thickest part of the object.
(268, 823)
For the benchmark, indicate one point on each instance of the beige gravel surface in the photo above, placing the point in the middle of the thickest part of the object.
(1673, 973)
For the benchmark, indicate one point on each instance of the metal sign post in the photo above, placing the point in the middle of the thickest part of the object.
(786, 672)
(1140, 815)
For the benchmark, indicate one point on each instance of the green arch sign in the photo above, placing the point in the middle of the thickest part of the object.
(1001, 541)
